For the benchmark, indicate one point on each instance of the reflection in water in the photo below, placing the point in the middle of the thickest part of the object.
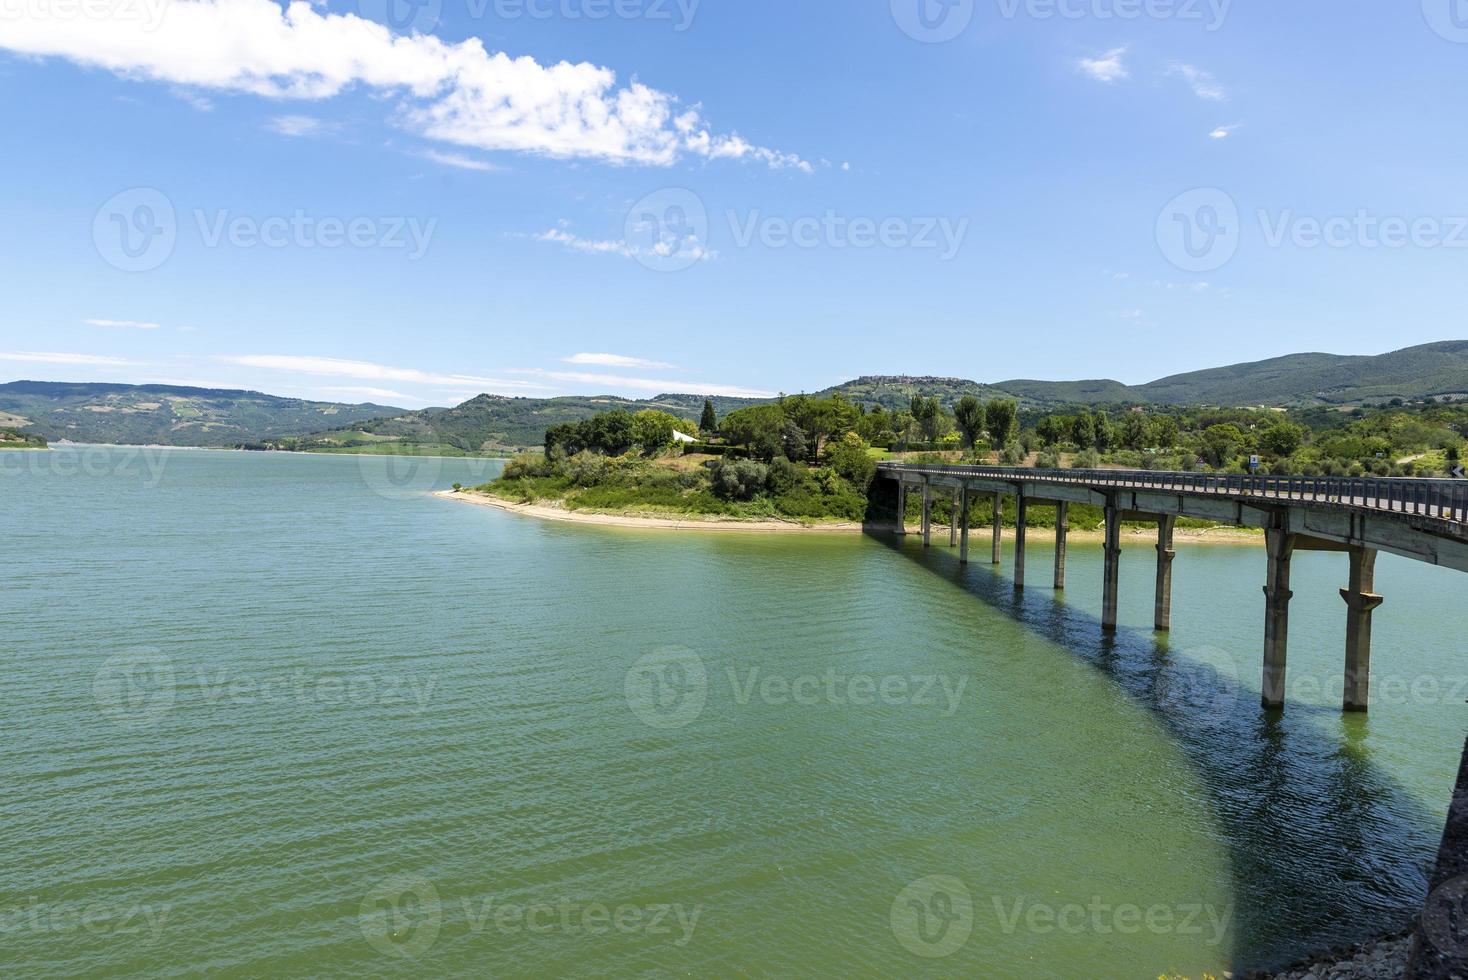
(1326, 848)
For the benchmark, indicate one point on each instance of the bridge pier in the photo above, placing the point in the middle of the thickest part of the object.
(901, 506)
(1062, 528)
(927, 514)
(1162, 611)
(1361, 601)
(998, 526)
(1281, 547)
(1111, 573)
(1020, 516)
(953, 522)
(963, 528)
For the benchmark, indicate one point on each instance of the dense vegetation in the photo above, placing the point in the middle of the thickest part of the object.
(11, 439)
(797, 459)
(809, 459)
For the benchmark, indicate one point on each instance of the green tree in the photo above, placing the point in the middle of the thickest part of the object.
(999, 418)
(708, 422)
(970, 415)
(760, 429)
(1083, 431)
(1051, 429)
(653, 431)
(1165, 431)
(1221, 443)
(1282, 439)
(1105, 435)
(1136, 431)
(852, 460)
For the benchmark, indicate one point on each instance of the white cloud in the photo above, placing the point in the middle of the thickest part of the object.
(459, 160)
(291, 125)
(332, 367)
(1223, 132)
(1107, 68)
(1201, 82)
(91, 360)
(668, 244)
(122, 324)
(458, 93)
(619, 360)
(386, 393)
(655, 385)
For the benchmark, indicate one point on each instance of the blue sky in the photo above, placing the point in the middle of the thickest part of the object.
(719, 196)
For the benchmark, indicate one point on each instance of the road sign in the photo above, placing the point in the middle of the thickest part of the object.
(1457, 472)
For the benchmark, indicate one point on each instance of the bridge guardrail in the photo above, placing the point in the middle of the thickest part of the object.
(1443, 499)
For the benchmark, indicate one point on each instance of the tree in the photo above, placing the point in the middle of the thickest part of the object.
(1281, 439)
(1051, 429)
(793, 441)
(1221, 443)
(1164, 431)
(708, 422)
(876, 427)
(999, 419)
(1136, 431)
(653, 430)
(1083, 431)
(760, 429)
(970, 415)
(1105, 436)
(925, 411)
(852, 461)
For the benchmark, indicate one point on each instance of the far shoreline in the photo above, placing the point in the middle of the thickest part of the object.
(1212, 535)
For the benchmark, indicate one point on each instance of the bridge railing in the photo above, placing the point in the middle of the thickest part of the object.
(1443, 499)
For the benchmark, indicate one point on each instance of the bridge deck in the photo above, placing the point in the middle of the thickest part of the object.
(1441, 500)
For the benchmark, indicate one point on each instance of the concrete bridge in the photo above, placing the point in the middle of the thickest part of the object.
(1426, 520)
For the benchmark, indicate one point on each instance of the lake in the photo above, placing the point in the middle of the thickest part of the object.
(268, 714)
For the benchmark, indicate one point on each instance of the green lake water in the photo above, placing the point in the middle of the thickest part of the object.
(271, 715)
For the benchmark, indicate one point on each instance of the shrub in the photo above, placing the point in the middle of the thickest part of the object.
(739, 479)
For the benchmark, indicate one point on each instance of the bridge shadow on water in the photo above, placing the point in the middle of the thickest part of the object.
(1325, 849)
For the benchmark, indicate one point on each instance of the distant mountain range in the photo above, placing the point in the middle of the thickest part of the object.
(169, 415)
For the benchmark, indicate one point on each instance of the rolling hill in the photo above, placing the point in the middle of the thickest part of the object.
(208, 417)
(166, 414)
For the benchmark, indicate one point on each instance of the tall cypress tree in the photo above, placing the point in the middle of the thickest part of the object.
(709, 422)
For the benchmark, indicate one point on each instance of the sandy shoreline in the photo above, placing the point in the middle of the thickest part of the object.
(1219, 535)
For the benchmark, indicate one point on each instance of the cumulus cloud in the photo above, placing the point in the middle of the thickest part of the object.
(457, 93)
(1107, 68)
